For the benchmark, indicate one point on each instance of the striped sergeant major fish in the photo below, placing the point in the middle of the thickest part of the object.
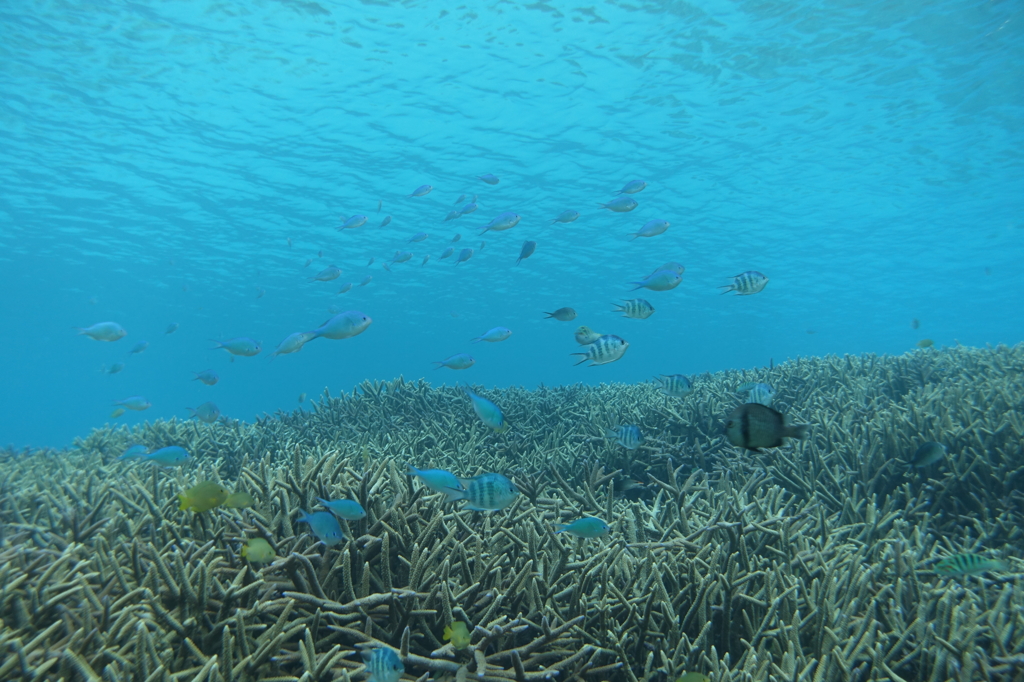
(762, 394)
(628, 437)
(674, 385)
(607, 348)
(747, 283)
(636, 308)
(968, 564)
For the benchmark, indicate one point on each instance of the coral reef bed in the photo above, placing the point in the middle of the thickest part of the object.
(806, 562)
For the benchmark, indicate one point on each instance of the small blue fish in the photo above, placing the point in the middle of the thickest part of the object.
(607, 348)
(746, 283)
(494, 335)
(170, 456)
(620, 204)
(418, 237)
(462, 197)
(345, 288)
(135, 402)
(453, 215)
(674, 385)
(486, 492)
(206, 413)
(439, 480)
(652, 228)
(566, 217)
(401, 256)
(489, 413)
(380, 203)
(207, 376)
(383, 665)
(762, 394)
(502, 221)
(134, 451)
(628, 437)
(343, 325)
(421, 190)
(456, 238)
(662, 280)
(587, 527)
(366, 280)
(327, 274)
(292, 343)
(386, 221)
(353, 222)
(171, 328)
(489, 178)
(324, 526)
(447, 252)
(526, 251)
(350, 510)
(468, 208)
(103, 331)
(139, 347)
(457, 361)
(239, 346)
(114, 368)
(632, 187)
(464, 256)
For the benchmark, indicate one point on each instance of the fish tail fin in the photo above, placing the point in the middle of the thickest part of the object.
(634, 235)
(303, 516)
(728, 288)
(477, 339)
(560, 528)
(483, 230)
(245, 551)
(798, 431)
(581, 361)
(193, 412)
(454, 494)
(639, 285)
(183, 503)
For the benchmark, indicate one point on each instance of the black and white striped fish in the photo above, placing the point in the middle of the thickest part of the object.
(762, 394)
(747, 283)
(628, 437)
(674, 385)
(383, 665)
(607, 348)
(636, 308)
(486, 492)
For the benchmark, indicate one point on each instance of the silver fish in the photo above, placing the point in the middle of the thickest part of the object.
(628, 437)
(608, 348)
(486, 492)
(746, 283)
(762, 394)
(674, 385)
(526, 251)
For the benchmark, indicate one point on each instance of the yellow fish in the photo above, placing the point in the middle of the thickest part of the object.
(203, 497)
(925, 343)
(694, 677)
(458, 633)
(118, 411)
(239, 500)
(258, 550)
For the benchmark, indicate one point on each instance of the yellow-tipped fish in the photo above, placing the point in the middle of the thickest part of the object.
(458, 634)
(258, 550)
(239, 499)
(203, 497)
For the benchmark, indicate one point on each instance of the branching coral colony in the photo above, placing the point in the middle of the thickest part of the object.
(814, 561)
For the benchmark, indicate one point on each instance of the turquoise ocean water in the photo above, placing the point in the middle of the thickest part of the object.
(156, 157)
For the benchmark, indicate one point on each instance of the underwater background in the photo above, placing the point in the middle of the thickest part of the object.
(626, 342)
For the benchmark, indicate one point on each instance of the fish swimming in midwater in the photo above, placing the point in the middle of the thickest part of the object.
(453, 215)
(239, 346)
(380, 204)
(587, 527)
(494, 335)
(526, 251)
(566, 216)
(586, 336)
(927, 454)
(762, 394)
(309, 261)
(925, 343)
(628, 437)
(486, 492)
(401, 256)
(456, 238)
(489, 178)
(620, 204)
(457, 361)
(203, 497)
(421, 190)
(447, 252)
(113, 369)
(386, 221)
(139, 348)
(438, 480)
(366, 280)
(915, 323)
(661, 280)
(968, 564)
(116, 412)
(754, 426)
(464, 256)
(239, 500)
(458, 634)
(562, 315)
(135, 402)
(103, 331)
(468, 208)
(746, 283)
(171, 328)
(672, 266)
(489, 413)
(292, 343)
(632, 187)
(607, 348)
(502, 221)
(652, 228)
(206, 413)
(207, 376)
(170, 456)
(345, 288)
(674, 385)
(324, 526)
(418, 237)
(329, 273)
(258, 551)
(383, 665)
(482, 245)
(302, 397)
(425, 259)
(342, 326)
(636, 308)
(353, 222)
(350, 510)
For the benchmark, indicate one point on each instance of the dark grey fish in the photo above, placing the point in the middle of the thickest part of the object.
(754, 426)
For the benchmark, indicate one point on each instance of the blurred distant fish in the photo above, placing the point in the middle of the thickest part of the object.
(652, 228)
(494, 335)
(260, 291)
(324, 526)
(372, 258)
(438, 480)
(320, 253)
(586, 336)
(171, 328)
(927, 454)
(464, 256)
(350, 510)
(401, 256)
(632, 187)
(754, 426)
(425, 259)
(468, 208)
(636, 308)
(628, 437)
(289, 242)
(620, 204)
(207, 412)
(239, 500)
(353, 222)
(489, 413)
(418, 237)
(968, 564)
(588, 528)
(456, 238)
(526, 250)
(566, 216)
(333, 309)
(114, 368)
(386, 221)
(502, 221)
(327, 274)
(308, 262)
(562, 315)
(116, 412)
(380, 204)
(457, 361)
(746, 283)
(453, 215)
(366, 280)
(421, 190)
(345, 288)
(292, 343)
(93, 300)
(134, 451)
(342, 326)
(662, 280)
(607, 348)
(462, 197)
(674, 385)
(207, 376)
(135, 402)
(487, 492)
(482, 245)
(915, 323)
(302, 397)
(447, 252)
(103, 331)
(239, 346)
(170, 456)
(762, 394)
(489, 178)
(925, 343)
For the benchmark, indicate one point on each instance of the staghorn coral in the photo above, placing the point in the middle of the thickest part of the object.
(803, 563)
